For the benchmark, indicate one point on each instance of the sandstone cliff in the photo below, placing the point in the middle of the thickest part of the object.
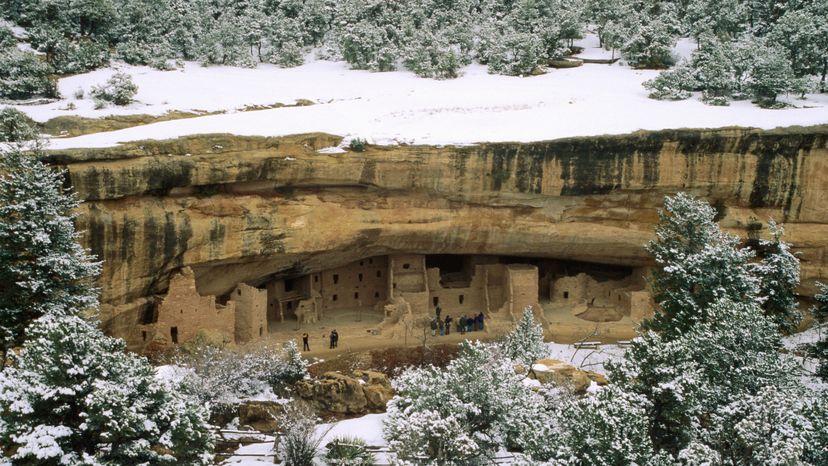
(244, 209)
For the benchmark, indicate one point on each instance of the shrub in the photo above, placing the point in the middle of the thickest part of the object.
(23, 75)
(299, 442)
(674, 84)
(6, 38)
(15, 126)
(357, 145)
(349, 451)
(118, 89)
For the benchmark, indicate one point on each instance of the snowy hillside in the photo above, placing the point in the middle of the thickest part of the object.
(399, 107)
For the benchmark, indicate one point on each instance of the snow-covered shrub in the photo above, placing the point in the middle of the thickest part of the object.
(44, 270)
(357, 144)
(651, 32)
(769, 427)
(118, 89)
(73, 396)
(221, 378)
(431, 56)
(15, 126)
(24, 75)
(514, 53)
(675, 84)
(771, 75)
(6, 38)
(461, 414)
(348, 451)
(299, 443)
(70, 55)
(524, 344)
(608, 427)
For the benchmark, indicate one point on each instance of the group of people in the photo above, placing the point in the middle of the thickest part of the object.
(334, 338)
(464, 323)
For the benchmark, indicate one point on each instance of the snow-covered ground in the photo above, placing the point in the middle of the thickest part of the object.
(399, 107)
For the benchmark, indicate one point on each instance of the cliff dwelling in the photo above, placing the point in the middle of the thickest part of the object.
(395, 296)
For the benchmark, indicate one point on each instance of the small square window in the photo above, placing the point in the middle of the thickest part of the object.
(379, 273)
(566, 295)
(376, 294)
(360, 277)
(461, 298)
(356, 295)
(335, 279)
(334, 297)
(406, 266)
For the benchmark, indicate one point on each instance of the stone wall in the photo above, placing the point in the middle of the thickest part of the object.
(251, 312)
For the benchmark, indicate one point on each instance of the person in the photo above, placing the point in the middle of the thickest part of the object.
(480, 318)
(333, 339)
(438, 310)
(305, 345)
(462, 323)
(442, 327)
(448, 324)
(469, 324)
(336, 338)
(433, 327)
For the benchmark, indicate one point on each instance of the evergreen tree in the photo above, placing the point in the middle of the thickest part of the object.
(820, 313)
(15, 126)
(73, 396)
(779, 275)
(698, 265)
(23, 75)
(43, 270)
(525, 343)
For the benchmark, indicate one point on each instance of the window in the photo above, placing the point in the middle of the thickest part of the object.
(566, 295)
(371, 261)
(174, 334)
(436, 300)
(356, 295)
(334, 297)
(461, 298)
(360, 277)
(316, 278)
(336, 279)
(379, 273)
(360, 262)
(289, 285)
(406, 266)
(144, 335)
(376, 294)
(238, 291)
(261, 331)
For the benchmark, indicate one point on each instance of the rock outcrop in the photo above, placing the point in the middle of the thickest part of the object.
(246, 209)
(364, 392)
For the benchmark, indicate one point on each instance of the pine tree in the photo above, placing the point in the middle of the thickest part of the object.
(779, 275)
(525, 343)
(820, 313)
(698, 264)
(23, 75)
(73, 396)
(15, 126)
(43, 270)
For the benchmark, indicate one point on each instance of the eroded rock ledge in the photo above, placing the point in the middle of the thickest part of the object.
(245, 209)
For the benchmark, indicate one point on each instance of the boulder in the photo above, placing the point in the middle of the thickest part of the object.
(364, 392)
(260, 415)
(552, 371)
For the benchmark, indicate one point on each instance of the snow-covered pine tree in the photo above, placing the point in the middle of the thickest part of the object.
(461, 414)
(698, 264)
(23, 75)
(44, 271)
(525, 344)
(778, 272)
(73, 396)
(820, 312)
(15, 126)
(771, 74)
(651, 29)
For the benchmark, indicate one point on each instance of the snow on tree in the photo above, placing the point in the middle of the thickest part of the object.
(73, 396)
(771, 75)
(525, 344)
(722, 19)
(820, 312)
(610, 427)
(23, 75)
(43, 268)
(15, 126)
(675, 84)
(651, 30)
(119, 89)
(462, 414)
(698, 264)
(778, 272)
(367, 33)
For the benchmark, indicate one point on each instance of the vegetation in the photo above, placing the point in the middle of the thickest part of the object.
(118, 89)
(348, 451)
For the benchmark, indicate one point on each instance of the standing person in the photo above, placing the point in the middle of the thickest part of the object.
(433, 327)
(438, 310)
(480, 318)
(336, 338)
(462, 323)
(470, 324)
(305, 345)
(333, 338)
(442, 327)
(448, 324)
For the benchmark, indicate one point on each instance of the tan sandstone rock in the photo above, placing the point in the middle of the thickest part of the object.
(365, 392)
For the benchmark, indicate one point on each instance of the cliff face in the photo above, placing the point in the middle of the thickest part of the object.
(241, 209)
